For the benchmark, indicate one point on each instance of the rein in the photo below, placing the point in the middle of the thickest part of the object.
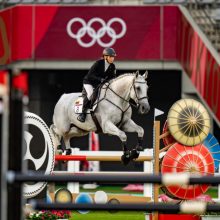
(101, 86)
(136, 96)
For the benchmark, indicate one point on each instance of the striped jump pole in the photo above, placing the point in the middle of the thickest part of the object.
(189, 207)
(97, 158)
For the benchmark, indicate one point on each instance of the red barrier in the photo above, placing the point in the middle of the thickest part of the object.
(70, 157)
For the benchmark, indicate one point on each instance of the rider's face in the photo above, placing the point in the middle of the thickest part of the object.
(110, 59)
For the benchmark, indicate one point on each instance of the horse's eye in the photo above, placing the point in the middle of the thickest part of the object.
(138, 88)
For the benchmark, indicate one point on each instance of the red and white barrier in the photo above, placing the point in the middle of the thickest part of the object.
(74, 159)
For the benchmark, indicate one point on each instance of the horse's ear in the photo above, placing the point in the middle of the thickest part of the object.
(137, 73)
(145, 74)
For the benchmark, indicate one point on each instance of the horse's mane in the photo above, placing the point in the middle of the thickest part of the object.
(121, 76)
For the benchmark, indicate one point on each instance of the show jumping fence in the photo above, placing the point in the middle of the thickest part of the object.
(99, 157)
(73, 164)
(166, 179)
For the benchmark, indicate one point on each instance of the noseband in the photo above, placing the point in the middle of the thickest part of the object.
(135, 92)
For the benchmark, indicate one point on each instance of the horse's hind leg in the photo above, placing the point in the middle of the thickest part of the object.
(73, 132)
(66, 140)
(56, 136)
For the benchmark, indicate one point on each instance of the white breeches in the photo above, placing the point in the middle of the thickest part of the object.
(89, 90)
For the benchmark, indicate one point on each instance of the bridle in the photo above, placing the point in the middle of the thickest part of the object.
(107, 84)
(126, 100)
(135, 92)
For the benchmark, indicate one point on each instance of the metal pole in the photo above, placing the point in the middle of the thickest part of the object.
(189, 207)
(15, 151)
(165, 179)
(4, 150)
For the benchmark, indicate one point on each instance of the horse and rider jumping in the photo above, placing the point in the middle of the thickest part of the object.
(112, 111)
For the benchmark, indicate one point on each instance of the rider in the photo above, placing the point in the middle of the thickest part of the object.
(101, 70)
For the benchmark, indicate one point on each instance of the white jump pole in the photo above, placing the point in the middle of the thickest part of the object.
(148, 168)
(73, 166)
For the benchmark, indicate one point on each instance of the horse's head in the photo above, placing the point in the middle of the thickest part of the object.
(139, 92)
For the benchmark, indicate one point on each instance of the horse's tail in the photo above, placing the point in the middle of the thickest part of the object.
(55, 135)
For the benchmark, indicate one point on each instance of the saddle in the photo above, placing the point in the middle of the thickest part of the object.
(93, 104)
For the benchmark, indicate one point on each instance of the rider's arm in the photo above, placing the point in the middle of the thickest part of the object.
(112, 72)
(92, 74)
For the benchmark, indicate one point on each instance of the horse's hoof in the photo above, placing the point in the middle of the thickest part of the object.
(134, 154)
(68, 151)
(125, 158)
(59, 150)
(59, 147)
(139, 148)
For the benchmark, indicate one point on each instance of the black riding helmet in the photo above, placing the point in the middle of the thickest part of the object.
(109, 52)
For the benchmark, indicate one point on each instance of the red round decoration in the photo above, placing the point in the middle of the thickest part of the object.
(195, 160)
(169, 139)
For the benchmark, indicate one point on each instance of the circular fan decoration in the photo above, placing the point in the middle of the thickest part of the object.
(169, 139)
(195, 160)
(188, 122)
(212, 144)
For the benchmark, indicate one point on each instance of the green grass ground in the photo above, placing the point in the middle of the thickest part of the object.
(104, 215)
(110, 189)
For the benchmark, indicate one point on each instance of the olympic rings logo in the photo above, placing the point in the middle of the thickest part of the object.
(96, 35)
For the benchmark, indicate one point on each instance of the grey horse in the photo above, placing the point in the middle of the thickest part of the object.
(113, 113)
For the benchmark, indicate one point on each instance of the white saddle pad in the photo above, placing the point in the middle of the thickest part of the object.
(79, 104)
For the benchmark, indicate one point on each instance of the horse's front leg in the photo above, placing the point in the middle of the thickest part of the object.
(109, 128)
(131, 126)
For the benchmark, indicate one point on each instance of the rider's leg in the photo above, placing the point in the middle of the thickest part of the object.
(86, 102)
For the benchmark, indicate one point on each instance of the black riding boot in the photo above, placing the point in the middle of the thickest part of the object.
(82, 116)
